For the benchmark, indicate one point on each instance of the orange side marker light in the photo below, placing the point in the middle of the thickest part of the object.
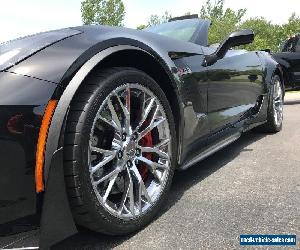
(41, 145)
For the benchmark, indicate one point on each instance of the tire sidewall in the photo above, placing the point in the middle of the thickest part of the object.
(271, 115)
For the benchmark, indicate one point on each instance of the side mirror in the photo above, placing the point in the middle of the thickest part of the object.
(236, 38)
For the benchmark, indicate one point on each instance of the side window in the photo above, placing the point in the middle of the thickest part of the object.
(297, 47)
(291, 45)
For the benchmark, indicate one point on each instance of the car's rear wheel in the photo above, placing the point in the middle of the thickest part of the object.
(275, 109)
(119, 151)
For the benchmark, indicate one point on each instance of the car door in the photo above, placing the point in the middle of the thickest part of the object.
(193, 92)
(290, 59)
(234, 86)
(293, 58)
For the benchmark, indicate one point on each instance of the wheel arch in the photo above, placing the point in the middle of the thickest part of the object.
(286, 78)
(283, 77)
(271, 68)
(153, 65)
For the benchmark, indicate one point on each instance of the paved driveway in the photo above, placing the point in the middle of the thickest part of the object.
(250, 187)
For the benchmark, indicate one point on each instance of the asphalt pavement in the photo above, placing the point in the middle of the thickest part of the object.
(250, 187)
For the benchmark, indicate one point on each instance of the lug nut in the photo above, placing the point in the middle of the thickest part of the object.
(124, 137)
(135, 136)
(138, 152)
(129, 163)
(120, 154)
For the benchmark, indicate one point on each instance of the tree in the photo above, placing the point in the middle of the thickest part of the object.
(268, 35)
(156, 19)
(265, 33)
(224, 21)
(292, 27)
(105, 12)
(141, 27)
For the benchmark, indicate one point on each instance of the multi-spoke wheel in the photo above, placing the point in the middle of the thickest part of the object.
(275, 110)
(277, 102)
(119, 151)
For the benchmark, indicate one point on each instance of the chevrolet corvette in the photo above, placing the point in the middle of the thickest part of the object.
(94, 120)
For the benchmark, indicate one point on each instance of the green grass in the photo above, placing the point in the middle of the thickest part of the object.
(293, 92)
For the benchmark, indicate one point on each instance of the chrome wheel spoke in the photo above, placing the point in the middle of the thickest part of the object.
(146, 111)
(131, 194)
(124, 198)
(99, 165)
(108, 176)
(155, 121)
(154, 167)
(156, 176)
(111, 123)
(278, 103)
(114, 116)
(103, 151)
(152, 164)
(128, 98)
(142, 190)
(125, 109)
(110, 185)
(276, 116)
(155, 150)
(117, 144)
(278, 92)
(163, 143)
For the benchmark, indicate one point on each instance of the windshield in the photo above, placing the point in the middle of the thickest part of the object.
(182, 30)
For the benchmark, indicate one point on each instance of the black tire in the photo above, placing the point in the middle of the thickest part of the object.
(271, 126)
(86, 209)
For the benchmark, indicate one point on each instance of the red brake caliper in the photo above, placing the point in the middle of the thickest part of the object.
(146, 141)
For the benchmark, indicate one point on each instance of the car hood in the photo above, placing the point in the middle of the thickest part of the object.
(15, 51)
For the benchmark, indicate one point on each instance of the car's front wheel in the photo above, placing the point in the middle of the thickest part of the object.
(119, 151)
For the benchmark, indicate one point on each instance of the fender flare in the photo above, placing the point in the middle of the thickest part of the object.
(271, 67)
(61, 110)
(279, 68)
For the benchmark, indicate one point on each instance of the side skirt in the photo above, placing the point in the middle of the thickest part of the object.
(211, 150)
(252, 119)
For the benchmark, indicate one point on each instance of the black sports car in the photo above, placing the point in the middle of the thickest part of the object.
(94, 119)
(289, 59)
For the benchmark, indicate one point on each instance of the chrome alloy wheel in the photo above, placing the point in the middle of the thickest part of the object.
(278, 102)
(129, 151)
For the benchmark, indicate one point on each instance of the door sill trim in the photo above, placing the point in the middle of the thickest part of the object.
(213, 149)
